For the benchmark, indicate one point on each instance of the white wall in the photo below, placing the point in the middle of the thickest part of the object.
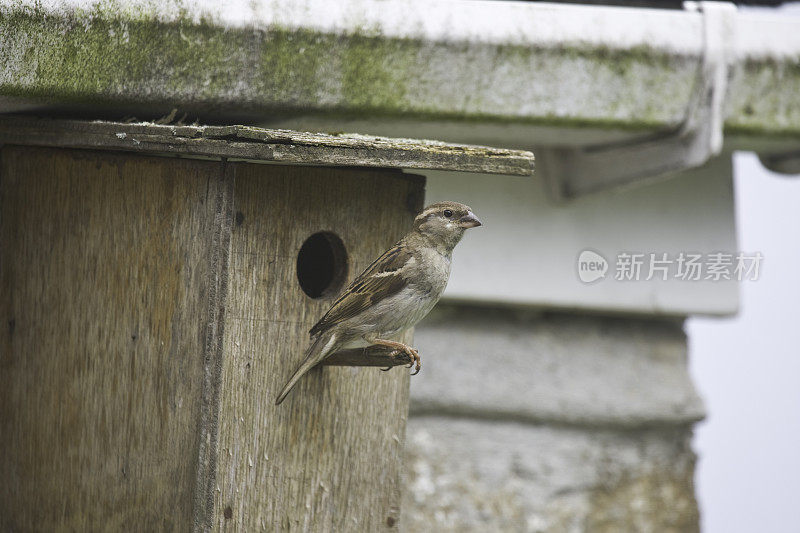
(748, 371)
(527, 251)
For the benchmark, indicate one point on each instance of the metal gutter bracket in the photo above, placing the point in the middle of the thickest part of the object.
(574, 171)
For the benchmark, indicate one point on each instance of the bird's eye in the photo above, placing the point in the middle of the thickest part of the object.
(448, 213)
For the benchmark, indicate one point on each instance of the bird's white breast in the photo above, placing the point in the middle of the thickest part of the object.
(426, 276)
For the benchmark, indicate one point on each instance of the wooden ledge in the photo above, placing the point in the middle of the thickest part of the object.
(250, 143)
(370, 356)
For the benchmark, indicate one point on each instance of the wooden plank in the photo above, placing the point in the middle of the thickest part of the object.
(261, 144)
(107, 274)
(218, 260)
(380, 356)
(327, 459)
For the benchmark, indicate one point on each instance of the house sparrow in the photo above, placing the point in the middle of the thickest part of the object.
(394, 293)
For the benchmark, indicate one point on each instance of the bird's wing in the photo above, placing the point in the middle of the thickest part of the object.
(380, 280)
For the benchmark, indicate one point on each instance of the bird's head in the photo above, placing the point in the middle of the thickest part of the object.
(444, 223)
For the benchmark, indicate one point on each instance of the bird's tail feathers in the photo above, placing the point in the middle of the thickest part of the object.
(318, 350)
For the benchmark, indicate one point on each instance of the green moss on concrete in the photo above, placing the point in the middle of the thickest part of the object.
(375, 71)
(98, 59)
(292, 64)
(659, 500)
(766, 101)
(120, 54)
(101, 56)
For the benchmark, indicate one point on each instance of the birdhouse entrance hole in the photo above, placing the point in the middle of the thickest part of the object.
(322, 265)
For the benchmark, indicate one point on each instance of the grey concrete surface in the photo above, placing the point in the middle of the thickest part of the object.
(556, 368)
(469, 475)
(550, 423)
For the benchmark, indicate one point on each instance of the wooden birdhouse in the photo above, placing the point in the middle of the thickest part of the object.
(157, 287)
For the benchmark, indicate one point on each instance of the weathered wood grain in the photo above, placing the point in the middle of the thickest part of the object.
(262, 144)
(151, 312)
(327, 459)
(106, 279)
(208, 437)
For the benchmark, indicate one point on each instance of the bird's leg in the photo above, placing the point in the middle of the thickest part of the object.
(399, 347)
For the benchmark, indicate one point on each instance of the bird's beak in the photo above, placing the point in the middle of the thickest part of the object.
(469, 221)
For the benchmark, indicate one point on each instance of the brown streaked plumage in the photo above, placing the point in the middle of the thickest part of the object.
(395, 292)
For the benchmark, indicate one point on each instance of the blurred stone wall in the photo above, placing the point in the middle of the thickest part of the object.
(550, 422)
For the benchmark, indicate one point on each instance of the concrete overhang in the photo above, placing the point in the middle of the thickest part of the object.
(512, 74)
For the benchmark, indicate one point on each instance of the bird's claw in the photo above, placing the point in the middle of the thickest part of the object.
(412, 354)
(416, 362)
